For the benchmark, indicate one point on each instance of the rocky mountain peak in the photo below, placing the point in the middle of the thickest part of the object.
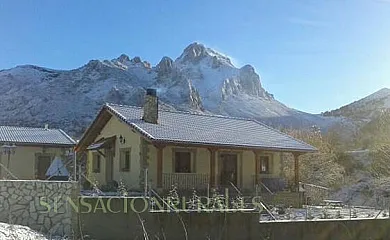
(136, 60)
(384, 92)
(147, 64)
(195, 49)
(380, 95)
(123, 58)
(165, 66)
(195, 52)
(248, 69)
(93, 65)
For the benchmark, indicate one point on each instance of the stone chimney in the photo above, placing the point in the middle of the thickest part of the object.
(151, 106)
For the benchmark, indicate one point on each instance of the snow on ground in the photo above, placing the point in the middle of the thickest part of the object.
(18, 232)
(321, 213)
(361, 188)
(94, 193)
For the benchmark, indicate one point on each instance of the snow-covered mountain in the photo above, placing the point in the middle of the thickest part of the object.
(200, 79)
(366, 108)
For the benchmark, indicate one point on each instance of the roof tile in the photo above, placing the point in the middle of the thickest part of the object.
(28, 135)
(190, 128)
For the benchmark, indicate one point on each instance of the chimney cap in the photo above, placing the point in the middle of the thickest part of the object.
(151, 92)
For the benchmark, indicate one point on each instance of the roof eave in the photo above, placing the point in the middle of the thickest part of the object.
(67, 136)
(132, 125)
(62, 145)
(231, 146)
(153, 140)
(80, 143)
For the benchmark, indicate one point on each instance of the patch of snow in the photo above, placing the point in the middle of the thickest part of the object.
(19, 232)
(321, 213)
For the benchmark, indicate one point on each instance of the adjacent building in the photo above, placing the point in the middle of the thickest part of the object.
(27, 153)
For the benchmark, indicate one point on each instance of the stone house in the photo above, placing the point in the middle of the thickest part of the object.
(191, 151)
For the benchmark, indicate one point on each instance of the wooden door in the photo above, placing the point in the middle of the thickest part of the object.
(42, 165)
(228, 169)
(109, 159)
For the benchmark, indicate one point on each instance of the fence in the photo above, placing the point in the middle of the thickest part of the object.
(186, 181)
(314, 194)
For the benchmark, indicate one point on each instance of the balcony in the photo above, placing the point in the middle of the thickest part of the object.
(185, 181)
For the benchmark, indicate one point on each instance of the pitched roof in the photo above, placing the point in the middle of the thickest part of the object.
(35, 136)
(213, 130)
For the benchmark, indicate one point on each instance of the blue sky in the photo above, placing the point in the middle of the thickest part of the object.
(313, 55)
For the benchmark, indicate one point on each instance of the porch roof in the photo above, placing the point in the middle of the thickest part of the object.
(210, 130)
(101, 143)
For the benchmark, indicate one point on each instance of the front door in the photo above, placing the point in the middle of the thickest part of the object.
(42, 166)
(109, 159)
(228, 169)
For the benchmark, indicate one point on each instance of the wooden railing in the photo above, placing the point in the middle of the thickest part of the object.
(185, 180)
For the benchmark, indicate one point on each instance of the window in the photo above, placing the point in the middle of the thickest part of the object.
(124, 165)
(182, 162)
(96, 162)
(264, 164)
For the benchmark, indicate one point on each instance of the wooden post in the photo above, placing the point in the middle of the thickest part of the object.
(212, 152)
(296, 170)
(160, 149)
(257, 166)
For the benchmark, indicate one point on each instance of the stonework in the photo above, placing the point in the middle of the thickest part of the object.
(150, 109)
(144, 162)
(45, 206)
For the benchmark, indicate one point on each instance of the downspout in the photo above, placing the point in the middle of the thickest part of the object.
(75, 165)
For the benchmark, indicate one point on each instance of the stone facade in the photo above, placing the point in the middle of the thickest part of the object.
(151, 107)
(45, 206)
(144, 162)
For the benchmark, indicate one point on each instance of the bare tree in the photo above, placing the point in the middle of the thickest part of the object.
(319, 168)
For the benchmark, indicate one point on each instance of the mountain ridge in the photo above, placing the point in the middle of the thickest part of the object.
(199, 80)
(364, 109)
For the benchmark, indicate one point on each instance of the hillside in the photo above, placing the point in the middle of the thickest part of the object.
(366, 108)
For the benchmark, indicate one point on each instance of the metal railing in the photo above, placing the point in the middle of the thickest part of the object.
(261, 185)
(269, 184)
(314, 194)
(185, 180)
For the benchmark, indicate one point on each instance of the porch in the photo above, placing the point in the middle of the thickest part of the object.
(189, 168)
(272, 190)
(198, 181)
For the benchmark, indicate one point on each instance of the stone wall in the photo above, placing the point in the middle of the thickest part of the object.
(103, 224)
(45, 206)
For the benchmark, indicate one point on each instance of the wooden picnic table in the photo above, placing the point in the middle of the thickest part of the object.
(333, 203)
